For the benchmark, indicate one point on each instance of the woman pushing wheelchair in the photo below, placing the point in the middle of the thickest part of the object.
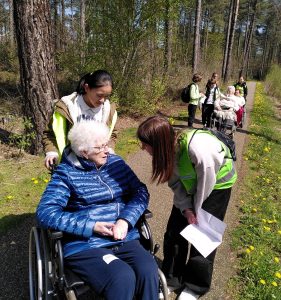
(96, 200)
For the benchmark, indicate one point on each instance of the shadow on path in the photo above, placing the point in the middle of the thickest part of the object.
(14, 259)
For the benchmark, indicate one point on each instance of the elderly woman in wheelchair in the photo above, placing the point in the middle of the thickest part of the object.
(224, 117)
(95, 199)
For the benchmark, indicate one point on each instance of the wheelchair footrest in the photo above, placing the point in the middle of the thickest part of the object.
(72, 280)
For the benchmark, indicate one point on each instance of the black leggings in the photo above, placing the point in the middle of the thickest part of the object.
(206, 114)
(196, 273)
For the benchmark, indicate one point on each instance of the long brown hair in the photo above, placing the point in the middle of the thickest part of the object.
(158, 133)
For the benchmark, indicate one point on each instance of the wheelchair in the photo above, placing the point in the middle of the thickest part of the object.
(227, 126)
(243, 118)
(50, 279)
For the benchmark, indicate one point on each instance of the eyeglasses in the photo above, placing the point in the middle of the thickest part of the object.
(101, 148)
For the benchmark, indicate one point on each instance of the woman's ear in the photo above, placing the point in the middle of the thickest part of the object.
(84, 154)
(86, 87)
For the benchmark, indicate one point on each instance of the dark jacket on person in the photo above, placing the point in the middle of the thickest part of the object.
(242, 87)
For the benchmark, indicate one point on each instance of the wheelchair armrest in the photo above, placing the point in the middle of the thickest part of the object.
(55, 235)
(147, 214)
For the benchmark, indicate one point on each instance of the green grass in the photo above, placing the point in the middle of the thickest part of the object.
(127, 142)
(22, 182)
(257, 239)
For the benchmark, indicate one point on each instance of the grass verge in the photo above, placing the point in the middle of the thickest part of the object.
(257, 239)
(22, 182)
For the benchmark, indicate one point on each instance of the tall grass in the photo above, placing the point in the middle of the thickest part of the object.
(273, 82)
(257, 239)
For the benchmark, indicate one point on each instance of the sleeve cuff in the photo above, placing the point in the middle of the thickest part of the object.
(52, 153)
(89, 228)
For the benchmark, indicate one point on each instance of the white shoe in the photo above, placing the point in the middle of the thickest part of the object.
(187, 294)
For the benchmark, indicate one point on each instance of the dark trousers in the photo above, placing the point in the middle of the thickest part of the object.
(207, 111)
(191, 114)
(196, 273)
(118, 273)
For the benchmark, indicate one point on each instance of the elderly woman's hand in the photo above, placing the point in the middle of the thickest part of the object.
(120, 230)
(51, 159)
(104, 228)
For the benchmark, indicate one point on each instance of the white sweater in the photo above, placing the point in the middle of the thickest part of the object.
(207, 155)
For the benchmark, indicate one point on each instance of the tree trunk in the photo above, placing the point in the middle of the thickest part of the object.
(247, 29)
(231, 39)
(168, 38)
(264, 52)
(11, 21)
(226, 46)
(246, 55)
(36, 58)
(238, 44)
(206, 22)
(196, 45)
(279, 55)
(56, 26)
(82, 30)
(62, 35)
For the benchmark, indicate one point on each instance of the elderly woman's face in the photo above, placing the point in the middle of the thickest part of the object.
(98, 153)
(230, 91)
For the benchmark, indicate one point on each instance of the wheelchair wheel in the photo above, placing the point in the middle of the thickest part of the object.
(146, 236)
(40, 287)
(163, 287)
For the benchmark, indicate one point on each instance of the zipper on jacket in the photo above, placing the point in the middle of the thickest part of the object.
(110, 190)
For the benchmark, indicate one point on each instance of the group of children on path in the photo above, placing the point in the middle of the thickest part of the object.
(213, 101)
(198, 178)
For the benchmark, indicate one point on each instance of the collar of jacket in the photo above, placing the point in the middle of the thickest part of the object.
(71, 158)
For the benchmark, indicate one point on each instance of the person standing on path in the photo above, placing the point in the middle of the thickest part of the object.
(212, 94)
(241, 85)
(200, 170)
(195, 96)
(89, 102)
(214, 76)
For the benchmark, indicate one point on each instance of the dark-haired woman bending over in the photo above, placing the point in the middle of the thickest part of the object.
(200, 170)
(88, 102)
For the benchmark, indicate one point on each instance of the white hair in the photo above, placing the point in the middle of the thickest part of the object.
(86, 134)
(231, 89)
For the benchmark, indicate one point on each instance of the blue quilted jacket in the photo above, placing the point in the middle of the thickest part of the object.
(79, 195)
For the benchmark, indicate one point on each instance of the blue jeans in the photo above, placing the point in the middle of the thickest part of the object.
(121, 272)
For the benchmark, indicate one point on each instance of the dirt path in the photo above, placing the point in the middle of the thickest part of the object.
(14, 245)
(161, 203)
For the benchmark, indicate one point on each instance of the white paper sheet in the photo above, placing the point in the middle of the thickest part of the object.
(207, 235)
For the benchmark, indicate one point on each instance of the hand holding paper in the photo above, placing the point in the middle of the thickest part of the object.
(207, 235)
